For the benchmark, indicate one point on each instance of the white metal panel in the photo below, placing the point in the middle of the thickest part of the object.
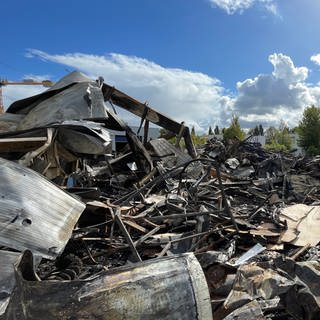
(35, 214)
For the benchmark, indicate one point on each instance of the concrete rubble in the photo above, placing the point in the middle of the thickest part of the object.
(228, 231)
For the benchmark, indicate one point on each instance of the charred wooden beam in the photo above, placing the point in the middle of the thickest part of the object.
(143, 111)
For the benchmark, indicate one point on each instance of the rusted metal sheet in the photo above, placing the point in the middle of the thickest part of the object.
(171, 288)
(34, 213)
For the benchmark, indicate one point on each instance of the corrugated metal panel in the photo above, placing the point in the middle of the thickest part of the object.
(67, 105)
(170, 155)
(35, 214)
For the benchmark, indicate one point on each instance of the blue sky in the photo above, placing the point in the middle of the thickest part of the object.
(196, 60)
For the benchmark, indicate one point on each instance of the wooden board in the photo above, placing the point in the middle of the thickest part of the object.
(21, 144)
(303, 225)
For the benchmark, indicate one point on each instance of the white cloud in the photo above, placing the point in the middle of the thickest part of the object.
(238, 6)
(184, 95)
(233, 6)
(280, 95)
(194, 97)
(284, 69)
(316, 58)
(272, 8)
(37, 78)
(12, 93)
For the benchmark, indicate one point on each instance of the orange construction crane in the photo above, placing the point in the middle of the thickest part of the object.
(26, 82)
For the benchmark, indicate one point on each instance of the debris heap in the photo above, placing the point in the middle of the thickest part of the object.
(229, 231)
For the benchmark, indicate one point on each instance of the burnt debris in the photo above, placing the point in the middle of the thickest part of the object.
(149, 231)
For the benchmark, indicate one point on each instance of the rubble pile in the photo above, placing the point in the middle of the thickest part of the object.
(151, 231)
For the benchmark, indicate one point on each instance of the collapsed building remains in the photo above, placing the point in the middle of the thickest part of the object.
(223, 232)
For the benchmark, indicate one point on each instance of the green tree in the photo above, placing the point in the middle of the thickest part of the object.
(256, 131)
(199, 140)
(294, 130)
(210, 132)
(216, 130)
(261, 131)
(164, 133)
(251, 132)
(234, 131)
(193, 132)
(271, 135)
(278, 139)
(309, 131)
(283, 136)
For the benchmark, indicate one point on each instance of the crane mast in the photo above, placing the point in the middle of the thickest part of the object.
(28, 82)
(1, 101)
